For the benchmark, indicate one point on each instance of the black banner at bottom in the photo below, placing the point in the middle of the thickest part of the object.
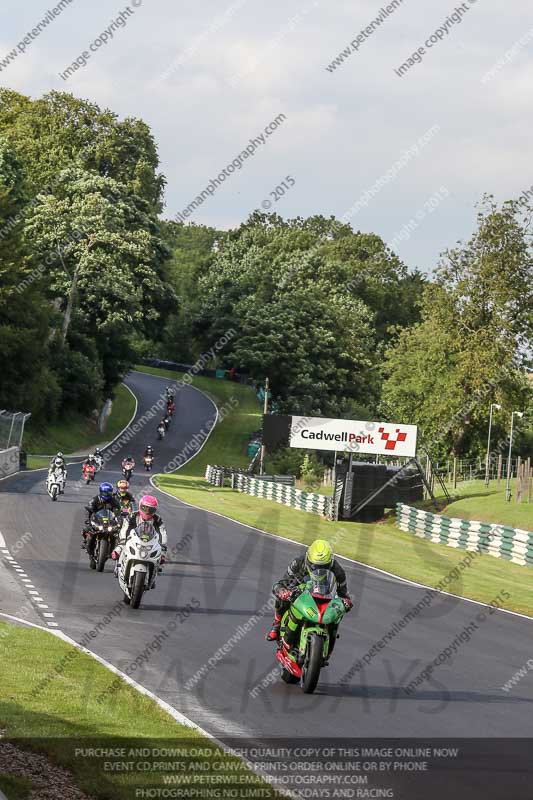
(404, 769)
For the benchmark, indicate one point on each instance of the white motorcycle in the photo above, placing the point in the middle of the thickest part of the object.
(55, 483)
(99, 462)
(139, 562)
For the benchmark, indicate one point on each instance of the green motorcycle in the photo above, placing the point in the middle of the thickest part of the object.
(317, 611)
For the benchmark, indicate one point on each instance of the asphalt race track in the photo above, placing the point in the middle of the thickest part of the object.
(219, 576)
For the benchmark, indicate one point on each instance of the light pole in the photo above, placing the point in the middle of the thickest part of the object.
(508, 488)
(487, 460)
(263, 448)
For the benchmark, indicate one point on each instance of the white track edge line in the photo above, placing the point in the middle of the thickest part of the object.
(177, 715)
(173, 712)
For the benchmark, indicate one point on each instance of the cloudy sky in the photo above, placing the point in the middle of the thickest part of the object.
(404, 156)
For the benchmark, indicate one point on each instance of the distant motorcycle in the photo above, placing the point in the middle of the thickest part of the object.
(88, 471)
(127, 468)
(170, 409)
(161, 430)
(104, 527)
(148, 461)
(99, 462)
(166, 422)
(55, 483)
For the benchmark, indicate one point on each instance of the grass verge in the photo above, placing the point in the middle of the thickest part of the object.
(37, 462)
(379, 545)
(489, 505)
(66, 715)
(75, 432)
(15, 788)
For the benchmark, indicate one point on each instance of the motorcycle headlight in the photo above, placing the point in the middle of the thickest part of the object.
(132, 550)
(144, 552)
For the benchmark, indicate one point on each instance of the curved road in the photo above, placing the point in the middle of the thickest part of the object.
(220, 576)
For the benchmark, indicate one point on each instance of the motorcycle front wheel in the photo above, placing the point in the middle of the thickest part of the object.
(54, 493)
(103, 553)
(313, 663)
(137, 589)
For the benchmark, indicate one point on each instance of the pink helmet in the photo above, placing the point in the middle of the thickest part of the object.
(147, 507)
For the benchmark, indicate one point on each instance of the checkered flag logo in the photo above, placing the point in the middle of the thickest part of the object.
(390, 440)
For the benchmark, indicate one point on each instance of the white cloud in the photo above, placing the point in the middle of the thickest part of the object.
(344, 128)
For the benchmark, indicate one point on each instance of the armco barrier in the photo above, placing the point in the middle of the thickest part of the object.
(281, 493)
(501, 541)
(214, 475)
(288, 480)
(9, 461)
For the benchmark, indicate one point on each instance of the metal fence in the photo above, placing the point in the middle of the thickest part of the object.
(474, 469)
(12, 428)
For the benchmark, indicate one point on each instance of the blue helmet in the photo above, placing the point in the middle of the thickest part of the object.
(105, 491)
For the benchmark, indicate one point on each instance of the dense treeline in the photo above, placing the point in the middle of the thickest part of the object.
(473, 344)
(81, 252)
(311, 301)
(342, 328)
(92, 278)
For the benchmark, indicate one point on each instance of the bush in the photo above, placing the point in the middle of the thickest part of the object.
(285, 461)
(311, 470)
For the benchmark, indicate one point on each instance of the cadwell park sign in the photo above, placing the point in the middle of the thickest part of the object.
(356, 436)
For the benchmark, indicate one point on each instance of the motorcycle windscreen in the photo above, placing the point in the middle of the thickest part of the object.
(145, 531)
(322, 584)
(104, 517)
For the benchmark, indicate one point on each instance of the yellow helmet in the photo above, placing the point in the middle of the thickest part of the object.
(319, 555)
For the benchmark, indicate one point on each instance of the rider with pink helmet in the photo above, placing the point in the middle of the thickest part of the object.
(146, 513)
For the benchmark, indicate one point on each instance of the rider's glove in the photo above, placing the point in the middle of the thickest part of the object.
(347, 603)
(115, 555)
(284, 594)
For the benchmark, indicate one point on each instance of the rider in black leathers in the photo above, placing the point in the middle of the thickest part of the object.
(297, 572)
(106, 498)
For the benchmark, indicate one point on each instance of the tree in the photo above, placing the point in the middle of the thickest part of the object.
(304, 297)
(104, 263)
(90, 255)
(470, 348)
(316, 350)
(27, 383)
(192, 249)
(59, 130)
